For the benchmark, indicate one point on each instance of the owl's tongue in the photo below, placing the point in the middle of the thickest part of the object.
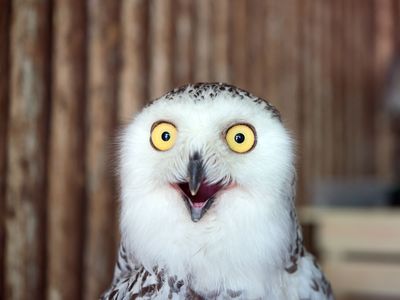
(205, 192)
(201, 201)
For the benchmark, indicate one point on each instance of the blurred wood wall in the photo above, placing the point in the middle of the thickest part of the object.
(73, 72)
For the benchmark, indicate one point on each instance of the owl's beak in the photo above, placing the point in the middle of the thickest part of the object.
(196, 173)
(198, 194)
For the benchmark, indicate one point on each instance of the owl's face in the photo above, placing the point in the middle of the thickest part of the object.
(203, 149)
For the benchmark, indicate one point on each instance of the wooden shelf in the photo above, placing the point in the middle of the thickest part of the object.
(359, 248)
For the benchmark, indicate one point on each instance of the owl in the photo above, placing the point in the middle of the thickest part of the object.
(207, 202)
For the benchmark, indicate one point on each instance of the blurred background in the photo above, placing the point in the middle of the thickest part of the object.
(73, 72)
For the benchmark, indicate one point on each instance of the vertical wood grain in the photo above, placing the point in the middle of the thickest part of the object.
(351, 115)
(397, 24)
(202, 53)
(183, 38)
(4, 107)
(291, 84)
(307, 109)
(255, 42)
(337, 58)
(67, 171)
(280, 59)
(103, 58)
(291, 100)
(160, 48)
(315, 92)
(272, 31)
(357, 151)
(26, 151)
(219, 71)
(384, 51)
(366, 104)
(327, 51)
(238, 32)
(368, 89)
(133, 86)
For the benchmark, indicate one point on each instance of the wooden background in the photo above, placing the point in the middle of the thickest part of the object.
(72, 72)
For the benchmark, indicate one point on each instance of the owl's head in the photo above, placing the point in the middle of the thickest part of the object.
(202, 148)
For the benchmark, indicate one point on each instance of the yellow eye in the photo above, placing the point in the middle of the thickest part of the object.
(163, 136)
(241, 138)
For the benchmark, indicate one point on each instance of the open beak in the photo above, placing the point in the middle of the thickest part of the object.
(198, 194)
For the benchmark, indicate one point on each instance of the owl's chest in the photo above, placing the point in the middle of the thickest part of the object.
(183, 290)
(162, 286)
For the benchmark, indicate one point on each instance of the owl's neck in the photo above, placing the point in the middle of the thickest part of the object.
(239, 250)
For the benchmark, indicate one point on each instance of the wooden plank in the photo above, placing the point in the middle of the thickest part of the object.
(134, 58)
(307, 152)
(359, 148)
(238, 33)
(348, 88)
(255, 59)
(183, 42)
(282, 38)
(325, 89)
(302, 188)
(27, 151)
(349, 277)
(358, 230)
(385, 32)
(342, 94)
(318, 135)
(4, 107)
(273, 28)
(289, 98)
(101, 219)
(219, 40)
(161, 48)
(336, 58)
(281, 56)
(368, 100)
(202, 40)
(66, 171)
(384, 46)
(350, 115)
(397, 19)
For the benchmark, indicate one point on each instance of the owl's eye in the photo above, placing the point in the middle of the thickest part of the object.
(163, 136)
(241, 138)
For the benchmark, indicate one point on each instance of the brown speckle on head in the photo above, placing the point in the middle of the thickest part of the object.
(199, 91)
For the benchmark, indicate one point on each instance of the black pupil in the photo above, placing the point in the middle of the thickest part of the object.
(239, 138)
(165, 136)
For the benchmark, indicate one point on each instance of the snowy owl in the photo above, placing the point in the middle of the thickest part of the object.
(207, 202)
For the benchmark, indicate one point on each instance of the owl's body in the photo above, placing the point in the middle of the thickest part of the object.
(235, 235)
